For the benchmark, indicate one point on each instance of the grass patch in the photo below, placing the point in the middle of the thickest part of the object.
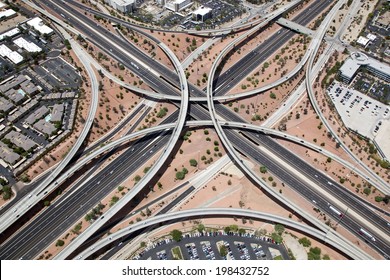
(278, 258)
(176, 252)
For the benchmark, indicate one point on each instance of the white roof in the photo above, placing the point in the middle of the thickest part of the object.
(352, 64)
(4, 50)
(363, 41)
(13, 56)
(7, 13)
(372, 37)
(28, 46)
(2, 5)
(349, 68)
(123, 2)
(9, 33)
(202, 11)
(39, 25)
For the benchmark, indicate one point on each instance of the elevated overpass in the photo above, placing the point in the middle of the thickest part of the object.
(295, 27)
(329, 237)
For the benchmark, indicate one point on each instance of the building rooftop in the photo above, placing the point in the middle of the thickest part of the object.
(352, 64)
(7, 154)
(7, 13)
(29, 87)
(202, 11)
(15, 95)
(9, 33)
(123, 2)
(10, 54)
(20, 140)
(57, 112)
(5, 105)
(363, 41)
(349, 68)
(40, 26)
(12, 83)
(371, 37)
(28, 46)
(45, 127)
(37, 114)
(4, 51)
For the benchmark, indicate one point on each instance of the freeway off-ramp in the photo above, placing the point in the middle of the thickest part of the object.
(180, 87)
(328, 236)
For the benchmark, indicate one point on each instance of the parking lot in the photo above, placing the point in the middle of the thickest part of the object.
(354, 107)
(205, 246)
(60, 73)
(376, 89)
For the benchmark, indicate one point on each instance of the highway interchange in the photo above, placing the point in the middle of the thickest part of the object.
(58, 220)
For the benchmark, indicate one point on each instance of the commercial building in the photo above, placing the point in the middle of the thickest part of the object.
(28, 46)
(352, 65)
(9, 33)
(39, 26)
(13, 56)
(123, 6)
(202, 14)
(177, 5)
(7, 14)
(363, 41)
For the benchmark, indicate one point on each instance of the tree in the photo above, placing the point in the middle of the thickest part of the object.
(277, 238)
(60, 243)
(180, 175)
(314, 254)
(201, 227)
(272, 95)
(193, 162)
(263, 169)
(176, 235)
(279, 229)
(7, 192)
(234, 228)
(137, 178)
(223, 251)
(305, 242)
(367, 191)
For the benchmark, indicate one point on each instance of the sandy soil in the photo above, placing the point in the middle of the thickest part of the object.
(241, 193)
(359, 21)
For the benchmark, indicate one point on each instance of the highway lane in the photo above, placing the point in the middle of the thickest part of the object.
(29, 187)
(302, 188)
(111, 252)
(43, 230)
(313, 11)
(329, 237)
(322, 180)
(241, 69)
(306, 17)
